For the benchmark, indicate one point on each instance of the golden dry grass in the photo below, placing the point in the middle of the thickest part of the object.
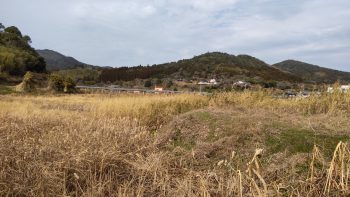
(158, 145)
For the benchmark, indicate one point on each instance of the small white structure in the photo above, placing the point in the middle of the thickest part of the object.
(213, 82)
(330, 90)
(203, 83)
(114, 86)
(159, 89)
(345, 88)
(342, 89)
(241, 84)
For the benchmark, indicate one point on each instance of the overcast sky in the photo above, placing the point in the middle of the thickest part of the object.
(133, 32)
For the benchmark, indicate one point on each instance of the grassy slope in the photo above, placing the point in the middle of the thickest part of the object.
(167, 145)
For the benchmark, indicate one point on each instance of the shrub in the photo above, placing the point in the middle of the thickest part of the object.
(3, 76)
(270, 84)
(169, 84)
(56, 83)
(59, 83)
(69, 85)
(158, 82)
(148, 83)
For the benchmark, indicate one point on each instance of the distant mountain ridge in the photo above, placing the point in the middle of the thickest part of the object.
(57, 61)
(312, 73)
(222, 66)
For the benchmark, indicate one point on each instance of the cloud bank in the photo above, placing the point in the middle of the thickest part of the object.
(133, 32)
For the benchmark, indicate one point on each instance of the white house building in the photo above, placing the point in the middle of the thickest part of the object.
(203, 83)
(343, 89)
(159, 89)
(241, 84)
(211, 82)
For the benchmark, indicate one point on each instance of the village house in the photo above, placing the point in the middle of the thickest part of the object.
(203, 83)
(241, 84)
(211, 82)
(342, 89)
(159, 89)
(345, 88)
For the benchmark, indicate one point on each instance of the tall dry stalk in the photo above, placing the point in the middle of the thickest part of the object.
(254, 170)
(337, 175)
(316, 157)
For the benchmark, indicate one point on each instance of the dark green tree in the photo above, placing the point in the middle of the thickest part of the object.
(2, 27)
(148, 83)
(169, 84)
(69, 85)
(13, 30)
(270, 84)
(159, 81)
(27, 39)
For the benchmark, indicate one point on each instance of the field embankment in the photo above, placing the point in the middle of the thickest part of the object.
(229, 144)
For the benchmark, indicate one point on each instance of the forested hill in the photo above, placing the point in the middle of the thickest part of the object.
(209, 65)
(312, 73)
(16, 54)
(57, 61)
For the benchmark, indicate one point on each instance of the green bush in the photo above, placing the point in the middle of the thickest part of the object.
(169, 84)
(56, 83)
(69, 85)
(3, 76)
(148, 83)
(60, 83)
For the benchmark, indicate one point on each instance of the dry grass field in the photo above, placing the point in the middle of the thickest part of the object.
(227, 144)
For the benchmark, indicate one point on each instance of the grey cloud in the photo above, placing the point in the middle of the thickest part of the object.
(117, 33)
